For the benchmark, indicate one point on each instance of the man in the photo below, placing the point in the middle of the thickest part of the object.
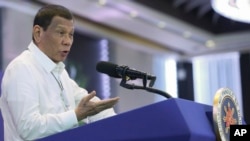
(38, 97)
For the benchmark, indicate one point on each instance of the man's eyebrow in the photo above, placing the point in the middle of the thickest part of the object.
(63, 27)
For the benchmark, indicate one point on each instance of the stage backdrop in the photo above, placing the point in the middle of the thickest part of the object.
(85, 53)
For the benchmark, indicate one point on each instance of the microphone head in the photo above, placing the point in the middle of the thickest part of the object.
(107, 68)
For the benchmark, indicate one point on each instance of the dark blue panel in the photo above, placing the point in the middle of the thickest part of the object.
(173, 119)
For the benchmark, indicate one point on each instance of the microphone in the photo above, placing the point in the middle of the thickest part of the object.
(117, 71)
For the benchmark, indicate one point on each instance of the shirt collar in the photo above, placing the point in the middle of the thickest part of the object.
(45, 61)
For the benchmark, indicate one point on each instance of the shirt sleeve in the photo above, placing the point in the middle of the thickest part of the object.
(23, 104)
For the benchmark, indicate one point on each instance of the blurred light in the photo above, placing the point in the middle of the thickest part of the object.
(233, 9)
(170, 76)
(182, 74)
(210, 44)
(133, 14)
(161, 24)
(102, 2)
(104, 56)
(187, 34)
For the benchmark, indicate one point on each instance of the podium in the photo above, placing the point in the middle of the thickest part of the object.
(169, 120)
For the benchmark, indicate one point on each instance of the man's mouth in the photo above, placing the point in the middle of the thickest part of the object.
(64, 53)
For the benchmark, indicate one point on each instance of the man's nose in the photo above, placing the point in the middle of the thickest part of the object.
(68, 40)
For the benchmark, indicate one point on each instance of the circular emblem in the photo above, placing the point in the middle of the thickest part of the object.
(226, 112)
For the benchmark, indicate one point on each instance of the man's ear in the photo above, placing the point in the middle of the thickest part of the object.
(37, 33)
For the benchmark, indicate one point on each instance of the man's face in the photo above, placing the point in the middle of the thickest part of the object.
(56, 41)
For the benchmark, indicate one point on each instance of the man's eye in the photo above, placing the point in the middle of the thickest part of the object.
(60, 32)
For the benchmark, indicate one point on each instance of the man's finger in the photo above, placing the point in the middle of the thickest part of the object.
(88, 97)
(105, 104)
(111, 100)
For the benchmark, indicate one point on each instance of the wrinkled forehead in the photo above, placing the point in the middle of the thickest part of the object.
(62, 23)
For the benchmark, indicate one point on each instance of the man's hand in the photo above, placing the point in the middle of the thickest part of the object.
(86, 107)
